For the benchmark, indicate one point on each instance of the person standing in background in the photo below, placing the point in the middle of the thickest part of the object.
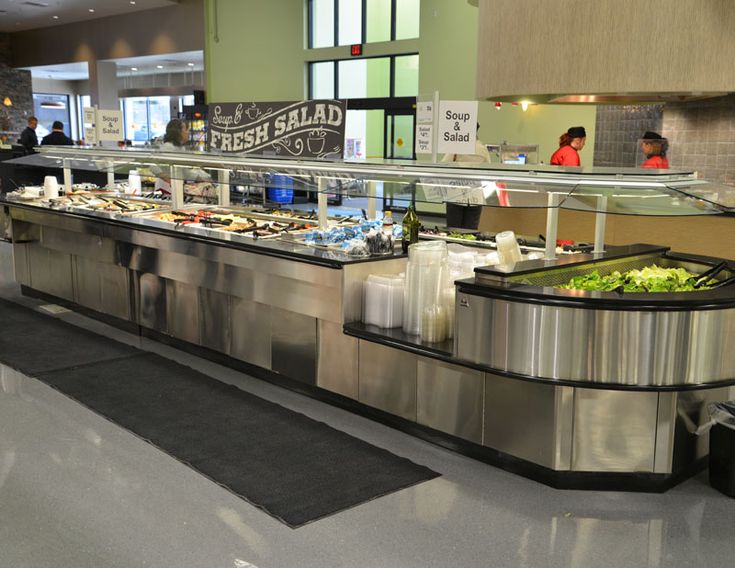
(28, 138)
(57, 136)
(570, 144)
(464, 215)
(655, 146)
(480, 156)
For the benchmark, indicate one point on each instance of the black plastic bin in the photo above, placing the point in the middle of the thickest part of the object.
(463, 216)
(722, 459)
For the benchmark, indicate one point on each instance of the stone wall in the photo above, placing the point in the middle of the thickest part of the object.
(702, 137)
(618, 130)
(16, 85)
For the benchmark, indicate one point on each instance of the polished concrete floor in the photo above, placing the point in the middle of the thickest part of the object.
(76, 491)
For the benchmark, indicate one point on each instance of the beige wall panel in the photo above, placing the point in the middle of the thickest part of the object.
(542, 47)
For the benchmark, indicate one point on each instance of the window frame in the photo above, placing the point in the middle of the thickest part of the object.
(335, 70)
(363, 38)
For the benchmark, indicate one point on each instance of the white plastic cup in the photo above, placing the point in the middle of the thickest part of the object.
(50, 187)
(134, 186)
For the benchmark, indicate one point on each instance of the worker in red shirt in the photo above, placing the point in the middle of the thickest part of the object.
(654, 146)
(570, 143)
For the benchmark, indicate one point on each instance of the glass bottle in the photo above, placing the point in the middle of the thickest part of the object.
(411, 226)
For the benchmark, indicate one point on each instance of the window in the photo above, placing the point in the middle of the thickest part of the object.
(382, 95)
(145, 118)
(346, 22)
(48, 108)
(373, 77)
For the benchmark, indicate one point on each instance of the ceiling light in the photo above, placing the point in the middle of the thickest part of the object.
(159, 66)
(91, 10)
(524, 105)
(55, 17)
(7, 102)
(190, 64)
(133, 68)
(132, 2)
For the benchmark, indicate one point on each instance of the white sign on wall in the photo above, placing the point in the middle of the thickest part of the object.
(424, 112)
(457, 127)
(109, 125)
(90, 115)
(90, 135)
(424, 138)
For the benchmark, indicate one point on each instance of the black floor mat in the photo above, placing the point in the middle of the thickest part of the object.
(293, 467)
(33, 342)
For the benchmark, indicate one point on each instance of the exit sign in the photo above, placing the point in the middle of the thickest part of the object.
(356, 49)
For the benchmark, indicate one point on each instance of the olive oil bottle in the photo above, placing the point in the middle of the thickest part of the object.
(411, 225)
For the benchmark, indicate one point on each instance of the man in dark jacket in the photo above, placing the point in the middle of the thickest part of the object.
(28, 138)
(57, 136)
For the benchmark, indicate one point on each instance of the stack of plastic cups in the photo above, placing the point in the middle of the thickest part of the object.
(50, 187)
(426, 277)
(383, 305)
(508, 249)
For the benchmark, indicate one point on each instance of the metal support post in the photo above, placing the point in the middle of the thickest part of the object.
(321, 200)
(372, 191)
(600, 220)
(177, 186)
(67, 175)
(552, 224)
(223, 188)
(111, 176)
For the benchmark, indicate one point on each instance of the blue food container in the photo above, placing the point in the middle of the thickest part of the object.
(280, 189)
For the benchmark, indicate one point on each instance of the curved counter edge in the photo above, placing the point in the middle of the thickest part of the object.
(396, 339)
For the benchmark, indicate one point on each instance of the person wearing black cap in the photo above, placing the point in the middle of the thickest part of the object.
(570, 143)
(654, 146)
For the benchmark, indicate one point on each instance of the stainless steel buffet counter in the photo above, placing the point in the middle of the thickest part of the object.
(574, 395)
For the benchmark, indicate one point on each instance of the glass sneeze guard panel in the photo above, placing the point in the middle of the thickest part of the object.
(490, 186)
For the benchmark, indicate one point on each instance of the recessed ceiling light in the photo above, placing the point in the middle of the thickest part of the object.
(91, 10)
(132, 2)
(190, 64)
(133, 68)
(55, 17)
(159, 66)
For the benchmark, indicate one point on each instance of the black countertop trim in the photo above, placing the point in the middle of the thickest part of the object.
(308, 256)
(719, 299)
(443, 352)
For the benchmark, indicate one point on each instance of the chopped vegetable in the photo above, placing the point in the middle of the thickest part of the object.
(648, 279)
(463, 236)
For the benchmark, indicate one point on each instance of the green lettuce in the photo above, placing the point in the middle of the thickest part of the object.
(649, 279)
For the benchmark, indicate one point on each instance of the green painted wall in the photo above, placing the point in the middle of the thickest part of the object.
(448, 53)
(254, 50)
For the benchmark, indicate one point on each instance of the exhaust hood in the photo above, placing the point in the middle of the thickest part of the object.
(605, 51)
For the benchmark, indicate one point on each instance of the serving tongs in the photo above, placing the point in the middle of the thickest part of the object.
(710, 274)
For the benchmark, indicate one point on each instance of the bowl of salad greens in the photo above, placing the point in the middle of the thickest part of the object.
(649, 279)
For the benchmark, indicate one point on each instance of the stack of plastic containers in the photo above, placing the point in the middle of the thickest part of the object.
(383, 300)
(427, 278)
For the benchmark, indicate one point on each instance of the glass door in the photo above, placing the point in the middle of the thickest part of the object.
(399, 134)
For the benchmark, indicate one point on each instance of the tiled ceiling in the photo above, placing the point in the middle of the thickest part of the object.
(19, 15)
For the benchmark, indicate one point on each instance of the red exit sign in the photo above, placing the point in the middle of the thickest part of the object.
(356, 49)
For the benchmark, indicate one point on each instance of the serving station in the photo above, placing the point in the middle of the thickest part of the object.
(575, 388)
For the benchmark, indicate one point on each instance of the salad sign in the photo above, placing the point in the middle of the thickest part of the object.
(304, 129)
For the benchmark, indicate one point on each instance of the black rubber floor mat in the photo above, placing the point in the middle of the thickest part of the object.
(294, 468)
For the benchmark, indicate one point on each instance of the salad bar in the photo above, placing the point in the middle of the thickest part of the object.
(575, 367)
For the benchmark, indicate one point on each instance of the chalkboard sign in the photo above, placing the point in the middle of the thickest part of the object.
(304, 129)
